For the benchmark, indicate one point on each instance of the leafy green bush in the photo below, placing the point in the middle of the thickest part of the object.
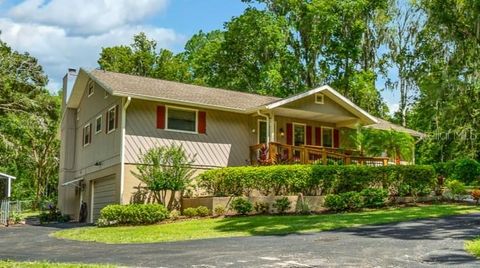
(456, 189)
(190, 212)
(282, 205)
(174, 215)
(262, 207)
(317, 179)
(466, 170)
(53, 215)
(203, 211)
(344, 202)
(242, 206)
(219, 211)
(335, 202)
(302, 206)
(373, 197)
(133, 214)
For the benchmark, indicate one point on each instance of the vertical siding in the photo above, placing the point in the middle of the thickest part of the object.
(226, 142)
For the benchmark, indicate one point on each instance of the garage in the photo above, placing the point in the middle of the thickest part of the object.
(103, 194)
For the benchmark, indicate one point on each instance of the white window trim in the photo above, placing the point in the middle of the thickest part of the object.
(101, 124)
(167, 107)
(83, 136)
(322, 100)
(90, 84)
(331, 130)
(304, 133)
(114, 118)
(258, 128)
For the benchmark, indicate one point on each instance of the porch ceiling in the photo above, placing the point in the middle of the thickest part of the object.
(309, 115)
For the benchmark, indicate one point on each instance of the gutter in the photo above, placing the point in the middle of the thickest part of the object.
(122, 148)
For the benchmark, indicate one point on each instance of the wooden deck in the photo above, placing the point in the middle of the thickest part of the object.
(278, 153)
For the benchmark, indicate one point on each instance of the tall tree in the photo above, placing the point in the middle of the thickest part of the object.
(403, 39)
(29, 117)
(449, 78)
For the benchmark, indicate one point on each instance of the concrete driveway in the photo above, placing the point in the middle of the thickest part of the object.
(422, 243)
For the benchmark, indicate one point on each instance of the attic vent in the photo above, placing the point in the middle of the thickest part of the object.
(319, 98)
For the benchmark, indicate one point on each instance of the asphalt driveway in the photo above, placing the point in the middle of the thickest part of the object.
(422, 243)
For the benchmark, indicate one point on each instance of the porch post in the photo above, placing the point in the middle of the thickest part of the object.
(9, 188)
(271, 128)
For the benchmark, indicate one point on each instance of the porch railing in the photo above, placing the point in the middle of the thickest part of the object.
(278, 153)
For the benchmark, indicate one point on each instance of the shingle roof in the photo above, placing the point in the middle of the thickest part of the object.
(386, 125)
(124, 84)
(138, 86)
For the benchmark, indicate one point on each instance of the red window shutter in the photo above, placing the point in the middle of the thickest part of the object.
(202, 122)
(318, 136)
(161, 117)
(116, 117)
(309, 135)
(289, 134)
(336, 138)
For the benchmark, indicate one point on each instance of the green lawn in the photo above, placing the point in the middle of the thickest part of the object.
(256, 225)
(473, 246)
(14, 264)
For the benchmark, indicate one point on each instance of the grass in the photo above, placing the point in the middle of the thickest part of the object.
(43, 264)
(257, 225)
(473, 246)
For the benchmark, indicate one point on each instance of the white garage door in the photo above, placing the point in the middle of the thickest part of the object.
(103, 195)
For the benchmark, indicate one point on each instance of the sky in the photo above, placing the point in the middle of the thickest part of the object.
(64, 34)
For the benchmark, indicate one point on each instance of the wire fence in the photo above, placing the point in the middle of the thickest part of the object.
(4, 212)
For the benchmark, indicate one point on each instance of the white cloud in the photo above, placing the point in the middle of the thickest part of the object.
(57, 51)
(85, 16)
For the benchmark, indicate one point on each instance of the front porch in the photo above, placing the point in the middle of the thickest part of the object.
(278, 153)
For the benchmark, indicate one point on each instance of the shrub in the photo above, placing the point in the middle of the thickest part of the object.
(174, 215)
(133, 214)
(302, 206)
(317, 179)
(53, 215)
(344, 202)
(335, 202)
(282, 205)
(475, 195)
(456, 189)
(242, 206)
(190, 212)
(261, 207)
(373, 197)
(203, 211)
(466, 170)
(219, 211)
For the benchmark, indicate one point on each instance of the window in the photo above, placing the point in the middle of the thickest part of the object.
(111, 119)
(298, 134)
(182, 119)
(319, 98)
(262, 131)
(87, 134)
(98, 124)
(90, 88)
(327, 137)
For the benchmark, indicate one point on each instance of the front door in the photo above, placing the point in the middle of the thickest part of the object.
(298, 139)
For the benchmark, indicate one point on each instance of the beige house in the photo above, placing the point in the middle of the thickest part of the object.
(110, 119)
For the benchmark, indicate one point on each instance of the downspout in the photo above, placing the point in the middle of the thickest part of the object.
(267, 119)
(122, 148)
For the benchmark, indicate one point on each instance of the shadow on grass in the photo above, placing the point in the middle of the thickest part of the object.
(426, 229)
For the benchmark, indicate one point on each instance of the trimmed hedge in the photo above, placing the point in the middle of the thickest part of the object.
(317, 179)
(133, 214)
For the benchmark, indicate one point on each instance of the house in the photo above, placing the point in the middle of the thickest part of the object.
(110, 119)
